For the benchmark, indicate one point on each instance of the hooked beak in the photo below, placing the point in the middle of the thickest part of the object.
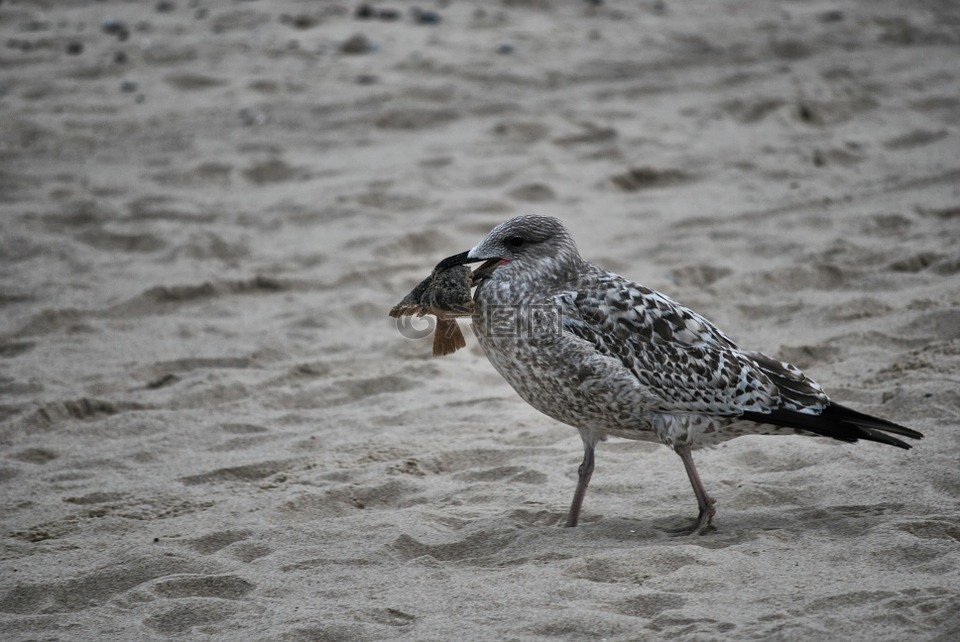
(482, 272)
(457, 259)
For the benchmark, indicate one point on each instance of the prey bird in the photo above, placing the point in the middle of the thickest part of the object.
(608, 356)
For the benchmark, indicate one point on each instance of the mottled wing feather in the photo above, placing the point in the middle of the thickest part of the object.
(681, 358)
(798, 392)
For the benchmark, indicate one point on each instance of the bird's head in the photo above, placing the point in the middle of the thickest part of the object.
(529, 243)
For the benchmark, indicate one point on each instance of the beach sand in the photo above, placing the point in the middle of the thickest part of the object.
(209, 428)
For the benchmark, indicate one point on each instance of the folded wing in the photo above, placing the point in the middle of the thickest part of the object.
(686, 364)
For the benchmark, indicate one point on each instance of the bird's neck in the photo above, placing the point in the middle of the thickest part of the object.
(521, 283)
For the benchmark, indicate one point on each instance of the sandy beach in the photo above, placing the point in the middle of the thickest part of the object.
(211, 430)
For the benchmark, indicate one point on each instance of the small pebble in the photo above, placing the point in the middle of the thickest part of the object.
(111, 25)
(355, 44)
(120, 58)
(115, 27)
(369, 12)
(304, 21)
(834, 15)
(165, 6)
(505, 49)
(424, 16)
(806, 114)
(75, 48)
(129, 86)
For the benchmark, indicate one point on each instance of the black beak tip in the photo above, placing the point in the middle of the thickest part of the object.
(456, 259)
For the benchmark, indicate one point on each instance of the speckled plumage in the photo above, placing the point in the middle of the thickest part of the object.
(608, 356)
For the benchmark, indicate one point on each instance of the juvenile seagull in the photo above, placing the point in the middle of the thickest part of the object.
(611, 357)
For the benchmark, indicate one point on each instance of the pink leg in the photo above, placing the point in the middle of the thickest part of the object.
(585, 472)
(704, 501)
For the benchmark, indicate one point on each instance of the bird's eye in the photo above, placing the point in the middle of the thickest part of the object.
(513, 241)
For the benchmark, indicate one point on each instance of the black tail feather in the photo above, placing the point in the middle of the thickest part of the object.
(840, 423)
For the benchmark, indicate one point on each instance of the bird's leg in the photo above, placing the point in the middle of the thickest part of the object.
(704, 501)
(584, 473)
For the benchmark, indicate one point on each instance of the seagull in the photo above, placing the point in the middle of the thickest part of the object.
(610, 357)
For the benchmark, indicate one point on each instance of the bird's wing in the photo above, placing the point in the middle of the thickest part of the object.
(679, 357)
